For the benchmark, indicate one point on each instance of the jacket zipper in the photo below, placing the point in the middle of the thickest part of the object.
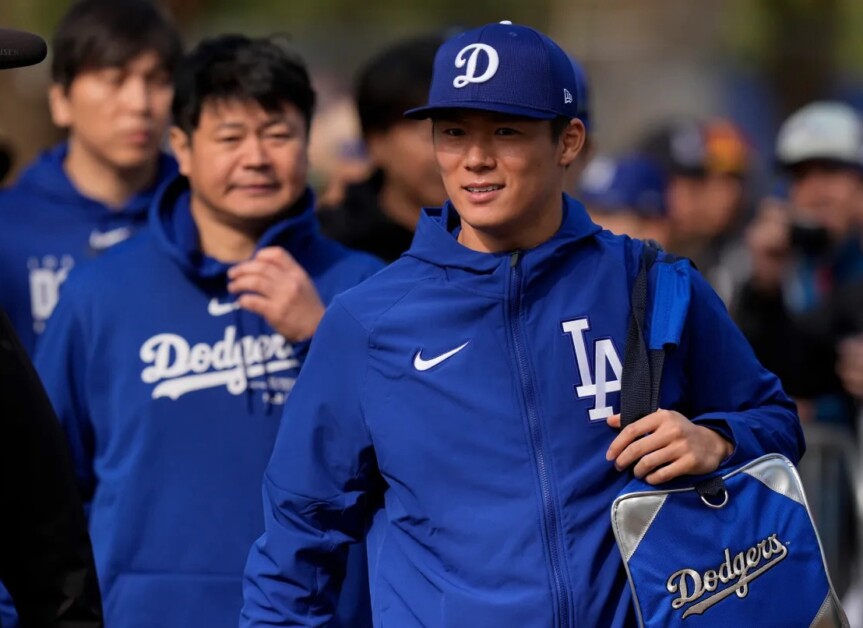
(549, 513)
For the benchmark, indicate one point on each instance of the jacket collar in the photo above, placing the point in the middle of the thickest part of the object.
(436, 240)
(177, 233)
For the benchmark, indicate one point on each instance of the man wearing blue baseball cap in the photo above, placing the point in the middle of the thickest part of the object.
(457, 409)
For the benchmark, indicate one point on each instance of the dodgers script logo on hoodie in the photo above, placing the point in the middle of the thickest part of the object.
(177, 367)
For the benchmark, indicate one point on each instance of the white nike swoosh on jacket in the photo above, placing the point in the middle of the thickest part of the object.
(423, 365)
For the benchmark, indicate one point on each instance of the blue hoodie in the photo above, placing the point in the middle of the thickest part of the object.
(470, 394)
(171, 398)
(47, 226)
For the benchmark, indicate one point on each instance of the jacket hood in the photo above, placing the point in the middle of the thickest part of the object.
(177, 233)
(47, 178)
(436, 241)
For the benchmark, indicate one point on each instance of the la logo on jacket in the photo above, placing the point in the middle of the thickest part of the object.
(595, 382)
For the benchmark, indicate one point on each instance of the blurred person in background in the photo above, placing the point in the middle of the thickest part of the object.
(716, 239)
(627, 196)
(807, 248)
(678, 147)
(708, 166)
(46, 558)
(111, 89)
(170, 391)
(802, 306)
(111, 86)
(379, 215)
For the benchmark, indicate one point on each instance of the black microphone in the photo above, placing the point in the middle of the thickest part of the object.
(20, 48)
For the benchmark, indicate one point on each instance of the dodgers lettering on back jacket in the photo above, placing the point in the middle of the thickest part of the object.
(170, 397)
(47, 227)
(470, 393)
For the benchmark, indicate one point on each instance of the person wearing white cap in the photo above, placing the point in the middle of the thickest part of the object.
(460, 409)
(804, 249)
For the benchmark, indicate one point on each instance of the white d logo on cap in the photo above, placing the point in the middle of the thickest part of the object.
(470, 73)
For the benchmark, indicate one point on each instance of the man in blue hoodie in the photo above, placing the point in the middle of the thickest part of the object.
(168, 384)
(111, 74)
(472, 386)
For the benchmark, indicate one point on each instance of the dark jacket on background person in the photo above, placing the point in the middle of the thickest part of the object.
(360, 223)
(801, 348)
(46, 561)
(794, 330)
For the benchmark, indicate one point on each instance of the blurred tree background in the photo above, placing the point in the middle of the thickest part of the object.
(751, 60)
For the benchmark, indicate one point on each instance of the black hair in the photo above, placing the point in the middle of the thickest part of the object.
(95, 34)
(558, 126)
(235, 67)
(395, 80)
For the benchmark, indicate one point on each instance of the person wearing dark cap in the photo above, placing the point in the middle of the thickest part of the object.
(379, 215)
(111, 85)
(475, 388)
(717, 243)
(706, 166)
(678, 147)
(46, 559)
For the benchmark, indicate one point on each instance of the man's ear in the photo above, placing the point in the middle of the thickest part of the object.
(181, 146)
(376, 147)
(572, 141)
(59, 105)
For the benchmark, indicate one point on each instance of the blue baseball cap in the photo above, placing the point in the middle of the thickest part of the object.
(503, 68)
(634, 183)
(583, 97)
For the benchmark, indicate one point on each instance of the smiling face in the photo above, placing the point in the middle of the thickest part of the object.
(245, 165)
(504, 175)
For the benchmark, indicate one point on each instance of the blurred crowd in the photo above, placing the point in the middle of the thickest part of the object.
(788, 263)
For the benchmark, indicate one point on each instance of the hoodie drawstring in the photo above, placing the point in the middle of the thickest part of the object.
(269, 392)
(238, 320)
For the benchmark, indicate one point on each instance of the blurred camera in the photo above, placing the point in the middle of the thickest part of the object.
(809, 238)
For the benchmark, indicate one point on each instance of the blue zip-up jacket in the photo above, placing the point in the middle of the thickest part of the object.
(47, 227)
(469, 392)
(171, 400)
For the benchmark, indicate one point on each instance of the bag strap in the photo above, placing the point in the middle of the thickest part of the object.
(643, 362)
(642, 367)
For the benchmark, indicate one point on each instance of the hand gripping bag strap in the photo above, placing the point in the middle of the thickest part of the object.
(643, 361)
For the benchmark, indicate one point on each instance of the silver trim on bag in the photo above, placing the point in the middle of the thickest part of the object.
(639, 515)
(774, 474)
(829, 616)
